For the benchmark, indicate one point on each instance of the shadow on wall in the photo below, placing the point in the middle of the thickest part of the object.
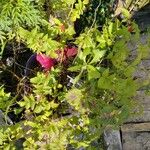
(142, 17)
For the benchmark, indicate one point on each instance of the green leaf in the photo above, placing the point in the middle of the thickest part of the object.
(70, 30)
(85, 1)
(74, 98)
(4, 99)
(97, 56)
(38, 109)
(75, 68)
(93, 73)
(104, 83)
(126, 13)
(129, 71)
(53, 105)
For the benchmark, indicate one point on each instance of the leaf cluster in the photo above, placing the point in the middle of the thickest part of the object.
(59, 113)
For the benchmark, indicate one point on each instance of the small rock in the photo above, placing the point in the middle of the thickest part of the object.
(112, 139)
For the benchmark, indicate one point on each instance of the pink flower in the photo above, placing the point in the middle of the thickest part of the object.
(46, 62)
(66, 53)
(71, 51)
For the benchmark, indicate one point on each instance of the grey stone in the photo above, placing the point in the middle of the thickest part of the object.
(136, 127)
(143, 114)
(136, 140)
(142, 17)
(112, 139)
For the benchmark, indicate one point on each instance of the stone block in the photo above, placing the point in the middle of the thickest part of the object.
(136, 136)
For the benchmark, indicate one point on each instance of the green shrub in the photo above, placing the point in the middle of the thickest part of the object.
(103, 89)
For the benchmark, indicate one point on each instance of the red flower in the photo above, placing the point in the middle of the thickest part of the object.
(46, 62)
(70, 51)
(66, 53)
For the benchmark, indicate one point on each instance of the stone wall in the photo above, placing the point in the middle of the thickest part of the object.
(135, 133)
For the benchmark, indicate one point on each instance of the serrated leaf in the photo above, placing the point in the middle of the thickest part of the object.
(97, 55)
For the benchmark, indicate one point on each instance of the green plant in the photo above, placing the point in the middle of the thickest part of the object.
(4, 98)
(103, 88)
